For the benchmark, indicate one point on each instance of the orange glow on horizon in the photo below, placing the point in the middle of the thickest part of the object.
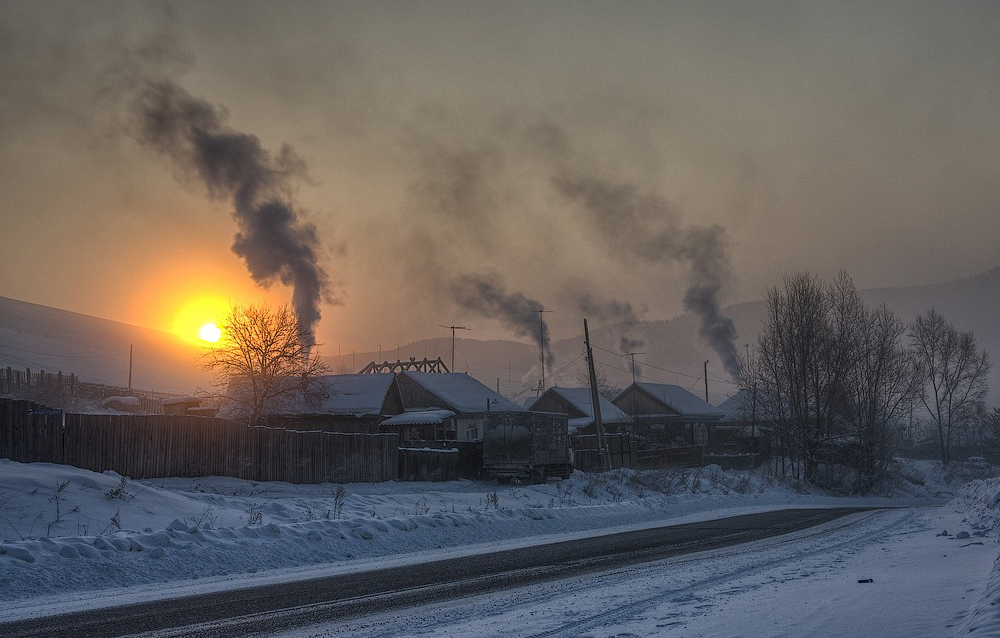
(182, 294)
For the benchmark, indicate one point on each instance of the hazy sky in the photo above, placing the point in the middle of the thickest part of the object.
(462, 162)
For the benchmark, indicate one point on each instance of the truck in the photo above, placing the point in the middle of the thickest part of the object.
(526, 446)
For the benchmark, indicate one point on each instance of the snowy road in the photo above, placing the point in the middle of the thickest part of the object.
(271, 608)
(813, 582)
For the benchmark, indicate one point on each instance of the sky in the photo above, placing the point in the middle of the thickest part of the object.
(390, 168)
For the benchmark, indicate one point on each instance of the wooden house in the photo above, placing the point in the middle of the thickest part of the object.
(458, 393)
(747, 426)
(353, 403)
(668, 415)
(576, 403)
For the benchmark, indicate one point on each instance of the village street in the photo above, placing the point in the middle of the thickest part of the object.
(887, 573)
(665, 576)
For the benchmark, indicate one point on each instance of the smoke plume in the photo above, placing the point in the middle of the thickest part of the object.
(487, 296)
(644, 227)
(619, 313)
(273, 241)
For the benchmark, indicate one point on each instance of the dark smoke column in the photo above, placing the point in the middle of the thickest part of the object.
(643, 227)
(486, 296)
(273, 242)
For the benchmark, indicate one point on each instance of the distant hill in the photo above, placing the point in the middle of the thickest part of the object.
(97, 350)
(674, 353)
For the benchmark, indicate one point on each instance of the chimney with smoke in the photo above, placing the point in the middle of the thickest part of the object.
(487, 296)
(273, 241)
(644, 227)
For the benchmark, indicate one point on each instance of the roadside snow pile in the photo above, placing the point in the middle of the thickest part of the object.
(979, 501)
(69, 530)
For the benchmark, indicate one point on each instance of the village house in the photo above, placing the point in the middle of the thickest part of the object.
(667, 415)
(351, 403)
(578, 405)
(745, 428)
(426, 396)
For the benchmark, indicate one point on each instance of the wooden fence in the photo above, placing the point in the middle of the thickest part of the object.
(586, 454)
(687, 456)
(423, 464)
(30, 432)
(442, 461)
(58, 388)
(159, 446)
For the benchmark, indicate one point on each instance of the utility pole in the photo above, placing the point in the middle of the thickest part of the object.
(595, 399)
(453, 329)
(706, 381)
(541, 344)
(632, 354)
(130, 366)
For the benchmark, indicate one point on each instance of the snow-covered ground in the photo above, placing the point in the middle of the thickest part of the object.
(75, 539)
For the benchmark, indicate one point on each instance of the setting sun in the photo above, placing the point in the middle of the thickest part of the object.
(210, 332)
(198, 320)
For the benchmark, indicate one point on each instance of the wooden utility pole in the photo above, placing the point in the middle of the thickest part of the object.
(130, 366)
(706, 381)
(595, 399)
(632, 354)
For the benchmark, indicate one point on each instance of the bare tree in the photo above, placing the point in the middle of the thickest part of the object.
(952, 371)
(790, 358)
(833, 375)
(880, 387)
(264, 361)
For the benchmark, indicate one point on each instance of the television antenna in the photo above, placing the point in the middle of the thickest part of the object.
(453, 329)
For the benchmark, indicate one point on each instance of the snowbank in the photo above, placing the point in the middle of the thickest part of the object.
(980, 502)
(71, 536)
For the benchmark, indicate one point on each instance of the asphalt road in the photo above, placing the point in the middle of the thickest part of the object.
(271, 608)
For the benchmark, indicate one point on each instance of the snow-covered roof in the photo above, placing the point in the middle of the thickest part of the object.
(736, 406)
(350, 394)
(740, 406)
(116, 400)
(461, 393)
(680, 400)
(580, 399)
(419, 417)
